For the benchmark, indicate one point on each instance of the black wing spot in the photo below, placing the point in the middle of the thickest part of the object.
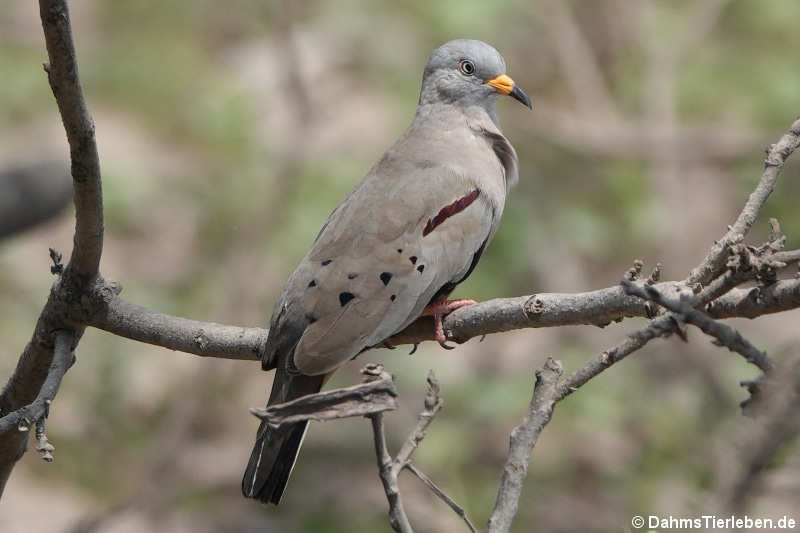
(312, 283)
(327, 262)
(386, 277)
(393, 297)
(399, 250)
(352, 275)
(421, 268)
(345, 297)
(413, 259)
(311, 319)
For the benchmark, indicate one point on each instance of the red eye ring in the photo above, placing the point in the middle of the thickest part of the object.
(466, 67)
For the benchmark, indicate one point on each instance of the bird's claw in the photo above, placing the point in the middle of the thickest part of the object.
(446, 346)
(414, 349)
(389, 346)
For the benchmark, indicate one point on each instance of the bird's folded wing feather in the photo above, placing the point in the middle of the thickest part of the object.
(381, 258)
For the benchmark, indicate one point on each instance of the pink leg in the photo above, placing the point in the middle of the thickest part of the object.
(438, 310)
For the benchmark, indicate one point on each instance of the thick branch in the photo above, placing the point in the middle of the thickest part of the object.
(32, 367)
(756, 301)
(206, 339)
(63, 75)
(598, 308)
(523, 439)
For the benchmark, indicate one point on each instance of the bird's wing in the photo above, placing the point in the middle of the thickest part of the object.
(382, 256)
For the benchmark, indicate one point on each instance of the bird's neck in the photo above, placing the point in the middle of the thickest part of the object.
(441, 127)
(477, 116)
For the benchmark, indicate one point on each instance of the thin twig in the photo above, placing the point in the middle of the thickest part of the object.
(397, 513)
(441, 494)
(24, 418)
(433, 404)
(390, 469)
(776, 157)
(726, 335)
(662, 326)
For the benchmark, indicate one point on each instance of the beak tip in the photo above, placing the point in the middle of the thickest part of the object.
(519, 95)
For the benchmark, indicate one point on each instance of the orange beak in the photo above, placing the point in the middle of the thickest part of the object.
(505, 85)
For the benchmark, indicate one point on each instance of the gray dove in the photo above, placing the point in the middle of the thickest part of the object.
(396, 247)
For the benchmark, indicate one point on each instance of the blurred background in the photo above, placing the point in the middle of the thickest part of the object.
(228, 131)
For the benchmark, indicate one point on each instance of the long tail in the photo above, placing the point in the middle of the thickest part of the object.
(275, 451)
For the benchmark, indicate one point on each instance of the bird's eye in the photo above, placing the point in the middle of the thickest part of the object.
(467, 67)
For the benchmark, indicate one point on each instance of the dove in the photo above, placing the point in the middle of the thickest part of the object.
(396, 247)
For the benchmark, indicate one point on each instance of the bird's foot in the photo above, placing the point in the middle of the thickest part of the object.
(438, 310)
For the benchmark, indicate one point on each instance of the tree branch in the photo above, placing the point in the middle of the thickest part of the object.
(389, 469)
(62, 72)
(523, 439)
(599, 308)
(23, 418)
(773, 164)
(725, 335)
(375, 395)
(659, 327)
(397, 513)
(433, 404)
(32, 368)
(207, 339)
(30, 386)
(756, 301)
(442, 495)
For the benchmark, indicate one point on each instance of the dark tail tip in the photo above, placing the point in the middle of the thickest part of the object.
(271, 462)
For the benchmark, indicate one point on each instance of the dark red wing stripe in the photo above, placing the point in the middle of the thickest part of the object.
(450, 210)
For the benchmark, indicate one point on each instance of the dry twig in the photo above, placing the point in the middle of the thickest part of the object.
(724, 334)
(375, 395)
(523, 439)
(389, 469)
(32, 414)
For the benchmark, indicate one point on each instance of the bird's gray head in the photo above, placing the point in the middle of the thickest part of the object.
(467, 72)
